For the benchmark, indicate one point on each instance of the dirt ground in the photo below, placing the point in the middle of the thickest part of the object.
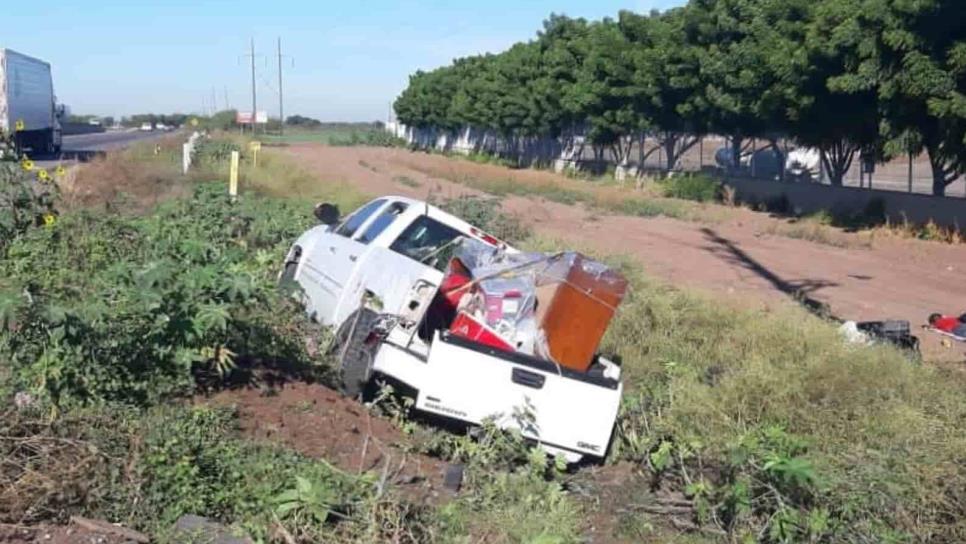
(735, 259)
(56, 534)
(319, 422)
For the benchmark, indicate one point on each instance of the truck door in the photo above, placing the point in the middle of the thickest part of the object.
(333, 260)
(400, 253)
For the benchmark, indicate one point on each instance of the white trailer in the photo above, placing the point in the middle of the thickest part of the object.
(28, 108)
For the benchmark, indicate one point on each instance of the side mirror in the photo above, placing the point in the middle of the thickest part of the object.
(327, 214)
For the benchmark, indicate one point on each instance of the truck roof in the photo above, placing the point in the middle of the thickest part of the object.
(5, 51)
(447, 218)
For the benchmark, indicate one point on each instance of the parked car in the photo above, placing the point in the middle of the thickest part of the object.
(376, 277)
(146, 127)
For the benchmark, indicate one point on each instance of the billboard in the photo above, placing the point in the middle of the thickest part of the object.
(245, 117)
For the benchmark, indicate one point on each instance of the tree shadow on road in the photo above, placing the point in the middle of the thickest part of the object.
(801, 290)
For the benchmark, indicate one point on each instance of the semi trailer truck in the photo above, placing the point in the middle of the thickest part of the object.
(28, 107)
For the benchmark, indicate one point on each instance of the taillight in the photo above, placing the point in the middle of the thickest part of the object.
(485, 237)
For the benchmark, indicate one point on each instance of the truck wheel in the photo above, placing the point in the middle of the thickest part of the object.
(354, 355)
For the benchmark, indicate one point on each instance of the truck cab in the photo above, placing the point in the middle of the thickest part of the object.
(379, 251)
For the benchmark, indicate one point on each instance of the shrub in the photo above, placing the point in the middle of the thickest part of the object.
(772, 425)
(370, 137)
(110, 308)
(211, 151)
(147, 469)
(697, 187)
(486, 214)
(27, 195)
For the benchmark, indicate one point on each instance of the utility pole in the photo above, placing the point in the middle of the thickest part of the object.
(227, 105)
(281, 111)
(254, 103)
(214, 101)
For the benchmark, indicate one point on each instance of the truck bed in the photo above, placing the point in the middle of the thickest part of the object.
(567, 412)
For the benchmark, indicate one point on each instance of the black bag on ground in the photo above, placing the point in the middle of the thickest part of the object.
(894, 331)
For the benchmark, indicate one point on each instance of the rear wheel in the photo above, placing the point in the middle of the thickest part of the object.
(354, 353)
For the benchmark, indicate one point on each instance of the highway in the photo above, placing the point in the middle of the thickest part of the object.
(82, 147)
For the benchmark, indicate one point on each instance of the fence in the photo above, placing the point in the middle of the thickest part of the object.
(897, 207)
(905, 174)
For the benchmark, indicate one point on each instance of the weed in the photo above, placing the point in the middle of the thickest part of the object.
(485, 213)
(25, 202)
(407, 181)
(181, 460)
(772, 425)
(697, 187)
(135, 309)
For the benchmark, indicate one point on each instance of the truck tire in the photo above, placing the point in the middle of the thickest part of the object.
(352, 352)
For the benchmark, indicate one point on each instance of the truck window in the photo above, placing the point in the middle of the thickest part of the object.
(382, 221)
(426, 240)
(356, 220)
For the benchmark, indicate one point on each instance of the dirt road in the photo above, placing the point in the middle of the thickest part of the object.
(895, 278)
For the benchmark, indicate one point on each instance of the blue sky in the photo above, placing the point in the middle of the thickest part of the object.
(351, 58)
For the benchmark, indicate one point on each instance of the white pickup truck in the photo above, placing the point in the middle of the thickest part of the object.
(374, 275)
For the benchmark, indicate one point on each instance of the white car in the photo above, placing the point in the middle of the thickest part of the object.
(375, 275)
(146, 127)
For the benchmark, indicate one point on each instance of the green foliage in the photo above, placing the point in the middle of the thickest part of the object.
(27, 197)
(147, 469)
(104, 308)
(486, 214)
(514, 493)
(699, 188)
(369, 137)
(773, 426)
(301, 121)
(847, 77)
(212, 151)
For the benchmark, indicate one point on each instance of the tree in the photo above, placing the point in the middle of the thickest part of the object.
(606, 86)
(427, 101)
(300, 121)
(669, 92)
(912, 55)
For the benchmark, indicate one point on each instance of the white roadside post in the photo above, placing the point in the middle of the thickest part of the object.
(233, 176)
(255, 147)
(185, 158)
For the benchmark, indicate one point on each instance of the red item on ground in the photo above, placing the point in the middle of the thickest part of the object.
(468, 327)
(947, 323)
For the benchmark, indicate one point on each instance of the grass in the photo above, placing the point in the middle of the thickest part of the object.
(134, 179)
(407, 181)
(125, 315)
(606, 196)
(869, 443)
(336, 135)
(695, 198)
(277, 176)
(767, 424)
(817, 228)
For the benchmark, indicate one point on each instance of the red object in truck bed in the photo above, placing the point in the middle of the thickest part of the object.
(468, 327)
